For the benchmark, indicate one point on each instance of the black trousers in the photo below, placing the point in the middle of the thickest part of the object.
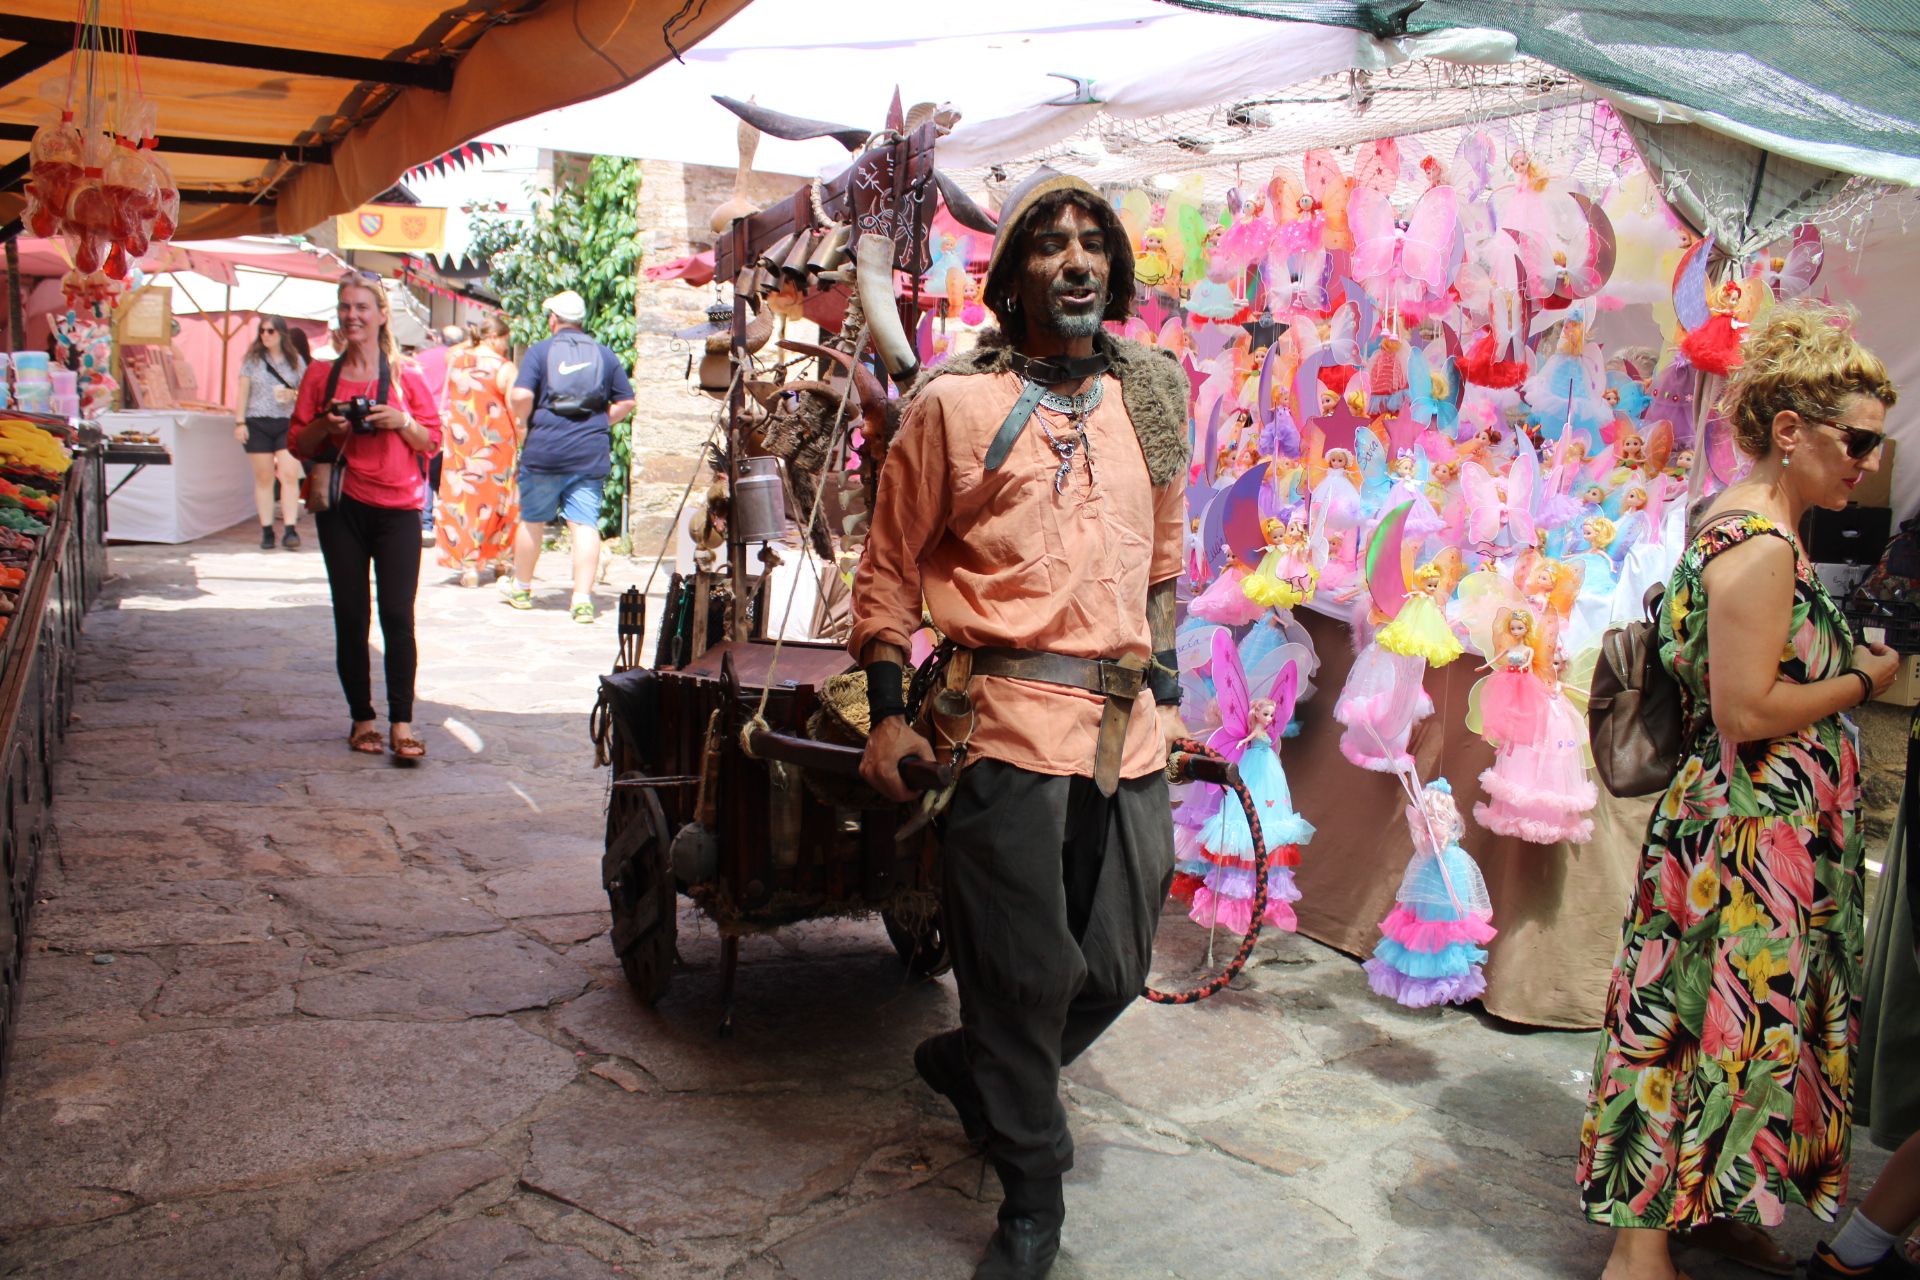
(1052, 896)
(354, 537)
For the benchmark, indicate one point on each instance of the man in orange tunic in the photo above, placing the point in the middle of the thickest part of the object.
(1033, 498)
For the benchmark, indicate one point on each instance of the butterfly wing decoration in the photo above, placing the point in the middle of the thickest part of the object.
(1690, 286)
(1431, 247)
(1331, 187)
(1377, 167)
(1523, 478)
(1376, 238)
(1283, 693)
(1795, 276)
(1230, 692)
(1472, 168)
(1591, 264)
(1484, 507)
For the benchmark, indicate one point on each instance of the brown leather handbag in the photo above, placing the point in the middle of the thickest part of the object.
(1633, 708)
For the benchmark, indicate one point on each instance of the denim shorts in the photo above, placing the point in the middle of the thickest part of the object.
(545, 494)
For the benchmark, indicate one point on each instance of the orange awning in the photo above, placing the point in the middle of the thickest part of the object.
(274, 118)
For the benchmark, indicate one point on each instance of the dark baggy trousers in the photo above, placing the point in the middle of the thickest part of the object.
(353, 538)
(1052, 896)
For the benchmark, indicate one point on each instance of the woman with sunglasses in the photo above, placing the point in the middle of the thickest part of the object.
(1723, 1088)
(270, 376)
(376, 415)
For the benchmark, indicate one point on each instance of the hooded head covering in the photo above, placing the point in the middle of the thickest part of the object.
(1009, 243)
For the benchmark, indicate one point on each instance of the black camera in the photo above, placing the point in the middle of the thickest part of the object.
(356, 412)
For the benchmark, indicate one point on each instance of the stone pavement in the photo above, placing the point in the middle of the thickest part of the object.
(294, 1013)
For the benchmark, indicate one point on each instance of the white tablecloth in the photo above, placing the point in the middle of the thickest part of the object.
(208, 488)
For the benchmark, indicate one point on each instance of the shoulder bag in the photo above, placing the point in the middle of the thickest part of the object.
(1634, 718)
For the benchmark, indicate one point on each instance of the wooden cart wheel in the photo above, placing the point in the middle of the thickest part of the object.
(639, 883)
(922, 950)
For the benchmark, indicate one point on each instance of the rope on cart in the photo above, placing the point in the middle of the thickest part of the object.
(1262, 861)
(758, 720)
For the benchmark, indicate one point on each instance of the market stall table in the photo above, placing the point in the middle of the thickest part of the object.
(1558, 907)
(208, 486)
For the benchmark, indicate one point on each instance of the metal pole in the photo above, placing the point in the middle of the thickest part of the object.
(16, 315)
(16, 312)
(225, 330)
(736, 412)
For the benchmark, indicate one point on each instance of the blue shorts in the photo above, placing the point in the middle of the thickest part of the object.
(545, 494)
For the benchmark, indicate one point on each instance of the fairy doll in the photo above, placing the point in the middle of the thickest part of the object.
(1432, 943)
(1249, 734)
(1513, 708)
(1538, 790)
(1286, 575)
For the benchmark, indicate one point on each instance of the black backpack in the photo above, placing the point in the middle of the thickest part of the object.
(575, 385)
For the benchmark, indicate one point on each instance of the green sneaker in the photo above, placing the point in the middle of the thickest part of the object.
(583, 612)
(520, 598)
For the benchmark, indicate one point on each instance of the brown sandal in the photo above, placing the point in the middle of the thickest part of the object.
(1744, 1243)
(408, 751)
(366, 742)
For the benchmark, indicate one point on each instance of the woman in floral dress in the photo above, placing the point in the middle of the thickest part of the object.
(477, 509)
(1722, 1091)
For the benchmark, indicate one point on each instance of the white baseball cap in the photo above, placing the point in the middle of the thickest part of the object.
(568, 305)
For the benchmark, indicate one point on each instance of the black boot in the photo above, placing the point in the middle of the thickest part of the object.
(941, 1062)
(1027, 1240)
(266, 537)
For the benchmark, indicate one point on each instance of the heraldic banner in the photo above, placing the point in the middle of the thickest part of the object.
(393, 227)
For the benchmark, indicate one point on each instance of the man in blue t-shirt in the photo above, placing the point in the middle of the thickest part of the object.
(570, 392)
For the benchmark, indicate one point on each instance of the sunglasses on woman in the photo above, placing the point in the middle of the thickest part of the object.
(1860, 442)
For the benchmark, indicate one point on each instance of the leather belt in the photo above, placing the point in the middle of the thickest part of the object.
(1118, 680)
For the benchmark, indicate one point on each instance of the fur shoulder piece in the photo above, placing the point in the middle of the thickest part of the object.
(1152, 386)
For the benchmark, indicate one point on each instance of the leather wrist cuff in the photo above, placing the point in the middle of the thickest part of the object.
(884, 697)
(1164, 678)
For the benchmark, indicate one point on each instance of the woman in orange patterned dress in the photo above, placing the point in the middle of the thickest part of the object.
(478, 508)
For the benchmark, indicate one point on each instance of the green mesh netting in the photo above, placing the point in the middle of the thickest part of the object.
(1839, 72)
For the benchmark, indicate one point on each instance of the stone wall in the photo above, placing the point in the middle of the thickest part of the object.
(673, 418)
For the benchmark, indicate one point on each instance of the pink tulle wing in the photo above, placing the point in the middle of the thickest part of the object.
(1375, 237)
(1229, 684)
(1430, 252)
(1484, 508)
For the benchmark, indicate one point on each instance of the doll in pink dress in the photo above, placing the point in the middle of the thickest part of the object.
(1380, 703)
(1539, 790)
(1514, 707)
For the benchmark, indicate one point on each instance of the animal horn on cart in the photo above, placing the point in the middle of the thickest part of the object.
(962, 206)
(874, 282)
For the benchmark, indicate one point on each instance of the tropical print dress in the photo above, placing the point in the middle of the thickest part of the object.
(477, 507)
(1723, 1088)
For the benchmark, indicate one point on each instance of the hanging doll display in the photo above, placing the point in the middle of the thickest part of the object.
(1538, 789)
(1433, 942)
(1249, 733)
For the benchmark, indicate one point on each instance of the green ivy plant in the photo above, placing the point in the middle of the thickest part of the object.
(584, 235)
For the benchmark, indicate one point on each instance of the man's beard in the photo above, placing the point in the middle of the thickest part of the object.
(1077, 324)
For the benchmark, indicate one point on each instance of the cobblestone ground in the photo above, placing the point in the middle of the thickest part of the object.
(294, 1013)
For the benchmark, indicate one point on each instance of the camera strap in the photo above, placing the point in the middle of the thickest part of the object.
(333, 388)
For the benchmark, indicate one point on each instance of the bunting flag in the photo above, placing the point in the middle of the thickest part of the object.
(396, 228)
(460, 157)
(414, 280)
